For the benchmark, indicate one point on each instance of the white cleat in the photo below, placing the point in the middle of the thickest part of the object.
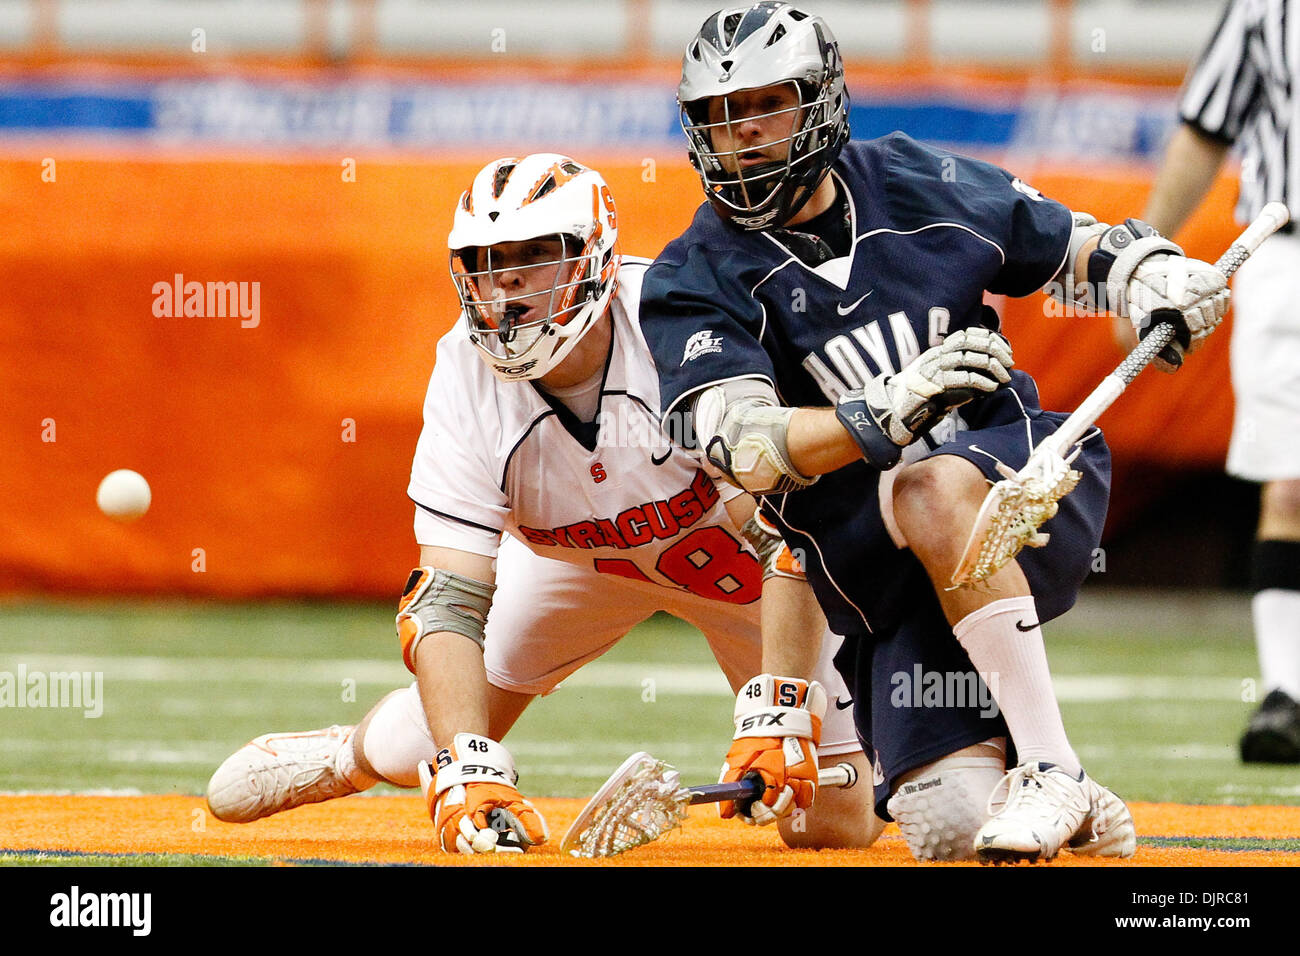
(1109, 829)
(278, 772)
(1037, 808)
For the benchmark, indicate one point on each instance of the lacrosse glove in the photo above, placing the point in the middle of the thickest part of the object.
(778, 727)
(1145, 278)
(889, 412)
(473, 801)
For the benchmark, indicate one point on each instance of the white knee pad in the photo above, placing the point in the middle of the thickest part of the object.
(943, 805)
(398, 738)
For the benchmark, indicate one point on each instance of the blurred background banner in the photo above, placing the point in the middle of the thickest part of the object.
(299, 162)
(1116, 125)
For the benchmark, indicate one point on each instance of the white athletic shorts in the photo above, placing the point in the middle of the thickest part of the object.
(1266, 363)
(550, 617)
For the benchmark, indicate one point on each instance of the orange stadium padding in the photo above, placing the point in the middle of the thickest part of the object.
(243, 432)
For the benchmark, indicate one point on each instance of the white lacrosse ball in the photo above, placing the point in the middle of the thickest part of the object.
(123, 495)
(485, 841)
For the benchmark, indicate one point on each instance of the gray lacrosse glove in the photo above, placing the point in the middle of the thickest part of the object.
(1191, 294)
(891, 410)
(1142, 276)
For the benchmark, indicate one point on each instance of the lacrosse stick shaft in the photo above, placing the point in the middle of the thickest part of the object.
(751, 787)
(1271, 218)
(1111, 388)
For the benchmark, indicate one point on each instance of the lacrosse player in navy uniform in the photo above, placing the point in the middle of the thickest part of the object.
(821, 337)
(1241, 92)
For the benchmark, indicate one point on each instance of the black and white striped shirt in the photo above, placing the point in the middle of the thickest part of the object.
(1241, 91)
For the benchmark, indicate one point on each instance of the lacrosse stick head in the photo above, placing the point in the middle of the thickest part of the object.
(1013, 511)
(642, 801)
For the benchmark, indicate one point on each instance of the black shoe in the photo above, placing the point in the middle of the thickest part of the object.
(1273, 734)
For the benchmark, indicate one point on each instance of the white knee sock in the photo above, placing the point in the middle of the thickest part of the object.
(1277, 637)
(398, 738)
(1005, 644)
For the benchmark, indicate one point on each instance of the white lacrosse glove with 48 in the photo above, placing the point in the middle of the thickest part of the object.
(778, 727)
(473, 801)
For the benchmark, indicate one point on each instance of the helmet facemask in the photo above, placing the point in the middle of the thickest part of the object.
(769, 193)
(506, 324)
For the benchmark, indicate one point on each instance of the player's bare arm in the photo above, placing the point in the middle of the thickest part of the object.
(794, 619)
(448, 665)
(1192, 161)
(471, 791)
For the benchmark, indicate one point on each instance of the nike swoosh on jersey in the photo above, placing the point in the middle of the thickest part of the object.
(844, 706)
(843, 311)
(654, 460)
(1020, 626)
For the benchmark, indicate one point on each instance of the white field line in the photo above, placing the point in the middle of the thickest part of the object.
(1233, 789)
(666, 678)
(1166, 752)
(696, 680)
(126, 792)
(1119, 687)
(121, 751)
(269, 670)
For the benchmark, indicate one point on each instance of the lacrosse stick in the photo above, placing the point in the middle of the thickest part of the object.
(644, 799)
(1016, 507)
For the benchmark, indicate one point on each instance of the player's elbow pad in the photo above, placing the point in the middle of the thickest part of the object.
(743, 432)
(434, 601)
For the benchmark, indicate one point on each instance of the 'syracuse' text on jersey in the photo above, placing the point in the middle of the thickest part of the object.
(932, 231)
(614, 495)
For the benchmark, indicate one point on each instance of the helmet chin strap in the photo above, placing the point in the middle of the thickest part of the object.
(762, 180)
(802, 197)
(581, 365)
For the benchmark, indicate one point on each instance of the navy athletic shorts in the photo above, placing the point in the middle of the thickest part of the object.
(916, 695)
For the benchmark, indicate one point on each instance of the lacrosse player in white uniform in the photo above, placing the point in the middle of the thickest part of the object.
(542, 468)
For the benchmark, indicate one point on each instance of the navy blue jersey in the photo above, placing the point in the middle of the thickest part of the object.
(932, 232)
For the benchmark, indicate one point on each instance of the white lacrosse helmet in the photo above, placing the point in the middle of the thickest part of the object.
(524, 331)
(743, 48)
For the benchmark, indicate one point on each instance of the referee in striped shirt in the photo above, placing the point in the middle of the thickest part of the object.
(1244, 91)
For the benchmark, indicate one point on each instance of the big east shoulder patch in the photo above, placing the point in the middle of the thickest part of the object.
(702, 342)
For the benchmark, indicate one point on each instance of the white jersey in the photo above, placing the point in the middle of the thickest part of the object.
(615, 495)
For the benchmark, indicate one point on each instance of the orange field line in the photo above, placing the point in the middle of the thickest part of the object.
(396, 830)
